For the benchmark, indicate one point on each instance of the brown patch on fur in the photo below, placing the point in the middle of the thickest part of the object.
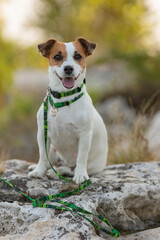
(59, 47)
(51, 48)
(80, 50)
(45, 48)
(87, 46)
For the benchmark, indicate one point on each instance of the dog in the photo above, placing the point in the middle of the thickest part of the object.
(77, 133)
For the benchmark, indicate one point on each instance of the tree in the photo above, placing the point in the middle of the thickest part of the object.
(7, 64)
(115, 25)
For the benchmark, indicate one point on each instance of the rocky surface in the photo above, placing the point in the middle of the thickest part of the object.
(127, 195)
(153, 234)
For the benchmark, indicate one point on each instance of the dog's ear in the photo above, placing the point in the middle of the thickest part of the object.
(45, 48)
(88, 46)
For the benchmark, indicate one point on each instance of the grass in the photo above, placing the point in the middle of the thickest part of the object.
(3, 157)
(2, 167)
(132, 146)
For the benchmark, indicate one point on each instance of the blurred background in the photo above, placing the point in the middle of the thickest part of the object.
(123, 76)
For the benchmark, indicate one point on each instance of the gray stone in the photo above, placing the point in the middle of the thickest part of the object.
(152, 234)
(109, 77)
(127, 195)
(116, 110)
(153, 135)
(31, 81)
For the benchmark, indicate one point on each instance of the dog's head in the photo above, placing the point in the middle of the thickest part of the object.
(67, 61)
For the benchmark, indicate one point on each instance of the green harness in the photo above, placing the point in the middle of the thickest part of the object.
(41, 202)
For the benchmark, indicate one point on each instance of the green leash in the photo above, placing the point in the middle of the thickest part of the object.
(41, 202)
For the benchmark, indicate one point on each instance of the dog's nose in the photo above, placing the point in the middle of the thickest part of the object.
(68, 69)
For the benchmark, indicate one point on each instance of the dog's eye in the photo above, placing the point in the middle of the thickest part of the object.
(58, 57)
(77, 56)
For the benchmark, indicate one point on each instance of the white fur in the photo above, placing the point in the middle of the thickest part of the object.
(77, 129)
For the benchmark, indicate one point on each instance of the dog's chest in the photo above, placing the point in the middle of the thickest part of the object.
(62, 129)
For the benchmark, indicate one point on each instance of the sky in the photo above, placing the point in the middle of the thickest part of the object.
(17, 12)
(155, 18)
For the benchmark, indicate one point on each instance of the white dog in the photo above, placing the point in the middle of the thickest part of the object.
(77, 133)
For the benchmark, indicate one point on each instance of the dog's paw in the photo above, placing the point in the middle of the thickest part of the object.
(36, 173)
(32, 167)
(80, 177)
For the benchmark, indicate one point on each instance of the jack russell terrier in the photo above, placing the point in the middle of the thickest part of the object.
(76, 132)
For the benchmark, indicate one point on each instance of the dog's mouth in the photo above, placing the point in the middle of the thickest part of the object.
(68, 82)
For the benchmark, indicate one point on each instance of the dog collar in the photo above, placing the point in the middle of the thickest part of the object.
(65, 94)
(54, 106)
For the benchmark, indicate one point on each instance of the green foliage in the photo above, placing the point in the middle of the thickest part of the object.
(18, 127)
(111, 23)
(30, 57)
(18, 109)
(12, 57)
(147, 68)
(7, 64)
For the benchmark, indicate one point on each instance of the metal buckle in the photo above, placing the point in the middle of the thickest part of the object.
(48, 91)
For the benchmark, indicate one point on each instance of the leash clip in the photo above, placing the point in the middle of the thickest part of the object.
(48, 91)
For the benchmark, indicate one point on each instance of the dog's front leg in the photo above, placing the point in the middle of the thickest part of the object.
(41, 167)
(84, 145)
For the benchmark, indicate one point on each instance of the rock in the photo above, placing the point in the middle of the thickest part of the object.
(31, 81)
(153, 234)
(127, 195)
(109, 77)
(116, 110)
(153, 135)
